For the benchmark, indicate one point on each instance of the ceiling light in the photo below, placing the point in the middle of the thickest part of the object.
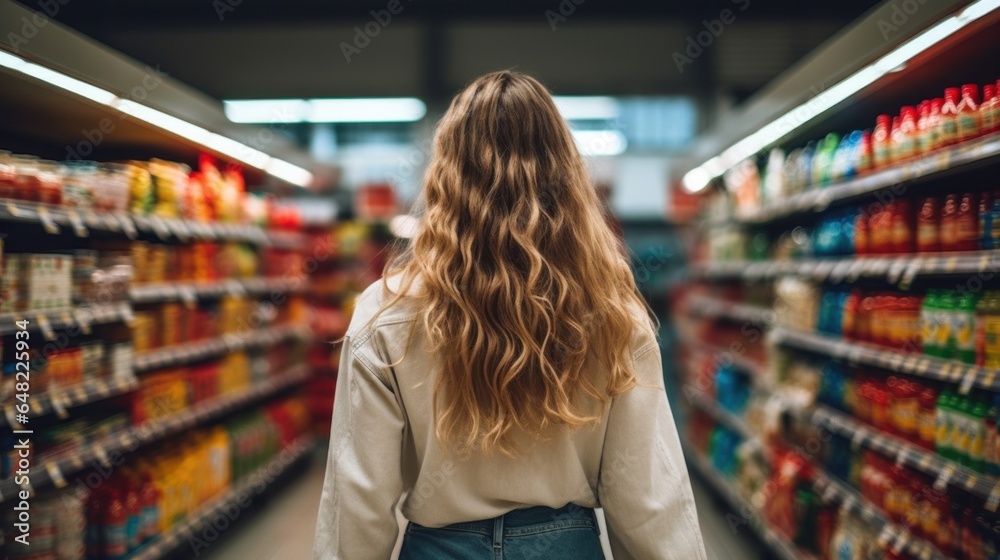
(580, 108)
(600, 142)
(698, 178)
(370, 110)
(163, 121)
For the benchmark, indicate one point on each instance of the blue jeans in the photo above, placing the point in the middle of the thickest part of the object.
(568, 533)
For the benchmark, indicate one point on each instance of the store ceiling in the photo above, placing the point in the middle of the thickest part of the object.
(248, 49)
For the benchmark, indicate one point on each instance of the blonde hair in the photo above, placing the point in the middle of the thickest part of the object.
(520, 276)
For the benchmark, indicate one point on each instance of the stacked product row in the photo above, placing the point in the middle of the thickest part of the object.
(113, 513)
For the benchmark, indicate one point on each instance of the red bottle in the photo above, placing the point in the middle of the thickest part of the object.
(928, 412)
(114, 544)
(949, 116)
(935, 125)
(133, 510)
(967, 223)
(880, 230)
(987, 119)
(928, 226)
(880, 141)
(905, 137)
(949, 224)
(968, 113)
(862, 239)
(902, 228)
(925, 136)
(865, 155)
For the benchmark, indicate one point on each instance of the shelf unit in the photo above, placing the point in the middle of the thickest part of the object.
(942, 162)
(81, 317)
(778, 544)
(706, 306)
(255, 483)
(53, 472)
(895, 269)
(190, 292)
(196, 351)
(827, 487)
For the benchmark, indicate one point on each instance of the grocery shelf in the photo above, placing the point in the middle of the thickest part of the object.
(892, 536)
(784, 549)
(739, 361)
(189, 292)
(168, 541)
(707, 403)
(946, 472)
(232, 342)
(707, 306)
(933, 165)
(896, 269)
(59, 400)
(55, 218)
(81, 316)
(52, 472)
(951, 371)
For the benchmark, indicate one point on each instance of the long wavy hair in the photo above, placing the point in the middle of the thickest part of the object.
(518, 274)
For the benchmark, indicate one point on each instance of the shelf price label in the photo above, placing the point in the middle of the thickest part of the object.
(970, 377)
(947, 472)
(47, 222)
(78, 228)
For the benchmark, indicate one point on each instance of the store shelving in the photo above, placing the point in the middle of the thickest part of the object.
(232, 342)
(707, 306)
(52, 472)
(189, 292)
(255, 483)
(895, 269)
(982, 151)
(829, 488)
(781, 547)
(967, 376)
(945, 472)
(60, 399)
(891, 537)
(81, 317)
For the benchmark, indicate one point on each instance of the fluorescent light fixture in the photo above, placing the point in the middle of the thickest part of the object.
(404, 226)
(579, 108)
(362, 110)
(600, 142)
(163, 121)
(698, 178)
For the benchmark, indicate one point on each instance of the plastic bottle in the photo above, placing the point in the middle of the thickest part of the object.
(985, 219)
(949, 117)
(880, 230)
(967, 223)
(862, 239)
(822, 163)
(133, 511)
(114, 544)
(968, 113)
(903, 241)
(964, 328)
(925, 137)
(992, 452)
(977, 434)
(987, 119)
(946, 341)
(928, 226)
(949, 223)
(943, 423)
(863, 153)
(962, 430)
(929, 324)
(905, 138)
(928, 408)
(934, 124)
(881, 141)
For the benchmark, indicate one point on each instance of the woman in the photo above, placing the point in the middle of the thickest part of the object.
(505, 375)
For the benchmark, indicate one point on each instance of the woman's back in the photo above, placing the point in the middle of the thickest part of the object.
(506, 362)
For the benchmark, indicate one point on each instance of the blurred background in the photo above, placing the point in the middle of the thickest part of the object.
(192, 193)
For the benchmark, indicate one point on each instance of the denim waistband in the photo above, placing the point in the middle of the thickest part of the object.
(537, 515)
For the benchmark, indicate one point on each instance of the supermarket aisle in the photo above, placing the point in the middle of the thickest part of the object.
(283, 530)
(721, 543)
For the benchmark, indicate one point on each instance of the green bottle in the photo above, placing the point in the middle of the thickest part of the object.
(929, 323)
(943, 419)
(946, 342)
(965, 328)
(978, 435)
(962, 431)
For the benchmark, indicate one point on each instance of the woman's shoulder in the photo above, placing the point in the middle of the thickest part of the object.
(378, 305)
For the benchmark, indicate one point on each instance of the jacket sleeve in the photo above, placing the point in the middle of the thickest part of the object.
(644, 485)
(363, 484)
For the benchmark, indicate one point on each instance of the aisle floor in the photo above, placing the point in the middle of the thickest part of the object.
(284, 529)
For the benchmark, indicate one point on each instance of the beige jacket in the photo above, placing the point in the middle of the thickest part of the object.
(383, 449)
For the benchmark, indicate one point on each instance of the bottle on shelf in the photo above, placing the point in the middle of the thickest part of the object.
(949, 117)
(928, 226)
(968, 113)
(881, 141)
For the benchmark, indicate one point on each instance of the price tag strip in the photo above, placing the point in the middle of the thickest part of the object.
(47, 222)
(46, 327)
(78, 228)
(970, 377)
(947, 472)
